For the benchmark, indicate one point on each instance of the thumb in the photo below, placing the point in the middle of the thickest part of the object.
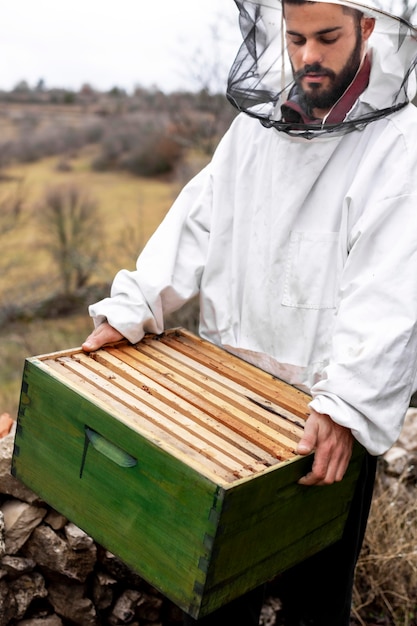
(100, 336)
(308, 441)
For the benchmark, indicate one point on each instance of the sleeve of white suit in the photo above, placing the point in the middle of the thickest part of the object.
(368, 382)
(168, 271)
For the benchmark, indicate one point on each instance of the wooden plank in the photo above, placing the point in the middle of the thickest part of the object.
(237, 369)
(252, 511)
(208, 430)
(284, 421)
(238, 421)
(54, 355)
(152, 432)
(200, 445)
(171, 402)
(234, 404)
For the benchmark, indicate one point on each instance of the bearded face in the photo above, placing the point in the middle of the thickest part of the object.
(316, 96)
(325, 44)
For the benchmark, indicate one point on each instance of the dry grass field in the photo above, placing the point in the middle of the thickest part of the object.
(129, 208)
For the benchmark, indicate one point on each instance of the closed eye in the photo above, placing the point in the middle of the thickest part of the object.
(301, 41)
(297, 41)
(328, 40)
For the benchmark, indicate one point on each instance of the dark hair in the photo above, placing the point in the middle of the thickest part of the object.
(348, 10)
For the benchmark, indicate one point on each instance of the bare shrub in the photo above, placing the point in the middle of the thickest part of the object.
(386, 575)
(33, 136)
(12, 217)
(54, 139)
(70, 218)
(141, 146)
(11, 206)
(6, 152)
(201, 119)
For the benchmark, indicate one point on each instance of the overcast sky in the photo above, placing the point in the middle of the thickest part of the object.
(109, 42)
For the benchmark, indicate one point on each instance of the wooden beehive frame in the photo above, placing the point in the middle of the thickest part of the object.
(221, 415)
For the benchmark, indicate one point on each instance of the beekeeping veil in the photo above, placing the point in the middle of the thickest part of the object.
(261, 78)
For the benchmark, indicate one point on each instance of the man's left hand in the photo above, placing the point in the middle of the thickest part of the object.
(332, 445)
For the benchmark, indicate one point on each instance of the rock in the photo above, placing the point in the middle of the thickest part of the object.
(2, 535)
(49, 620)
(10, 485)
(8, 606)
(55, 520)
(77, 538)
(15, 566)
(408, 435)
(103, 590)
(269, 612)
(25, 589)
(150, 608)
(20, 518)
(114, 566)
(70, 602)
(124, 610)
(51, 551)
(396, 460)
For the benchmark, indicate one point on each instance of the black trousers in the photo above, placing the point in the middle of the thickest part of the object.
(318, 591)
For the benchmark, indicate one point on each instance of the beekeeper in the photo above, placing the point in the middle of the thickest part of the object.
(300, 238)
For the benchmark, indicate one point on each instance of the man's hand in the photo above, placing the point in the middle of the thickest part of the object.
(100, 336)
(332, 445)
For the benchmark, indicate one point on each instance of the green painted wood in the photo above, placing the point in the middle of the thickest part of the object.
(271, 524)
(200, 541)
(157, 516)
(263, 519)
(256, 574)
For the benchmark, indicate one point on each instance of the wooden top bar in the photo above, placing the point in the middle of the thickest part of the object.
(218, 412)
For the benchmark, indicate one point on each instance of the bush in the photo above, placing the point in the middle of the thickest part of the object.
(73, 234)
(54, 139)
(386, 575)
(139, 146)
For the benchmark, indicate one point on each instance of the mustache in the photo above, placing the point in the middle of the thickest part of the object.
(314, 68)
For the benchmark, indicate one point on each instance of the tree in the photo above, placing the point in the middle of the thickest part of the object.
(73, 234)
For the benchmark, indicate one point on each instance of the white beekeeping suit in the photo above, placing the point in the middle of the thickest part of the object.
(300, 238)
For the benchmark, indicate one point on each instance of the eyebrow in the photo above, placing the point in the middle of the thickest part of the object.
(325, 31)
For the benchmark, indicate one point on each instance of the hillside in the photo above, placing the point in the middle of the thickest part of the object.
(105, 167)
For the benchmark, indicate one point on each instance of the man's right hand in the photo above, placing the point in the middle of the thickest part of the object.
(100, 336)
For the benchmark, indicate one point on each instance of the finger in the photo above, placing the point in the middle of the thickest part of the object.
(319, 472)
(102, 335)
(330, 464)
(308, 441)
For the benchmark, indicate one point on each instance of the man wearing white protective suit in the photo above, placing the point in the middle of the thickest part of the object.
(300, 237)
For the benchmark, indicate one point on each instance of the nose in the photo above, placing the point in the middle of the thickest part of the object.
(312, 52)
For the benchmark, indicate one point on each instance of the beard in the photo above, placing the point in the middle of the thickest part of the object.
(317, 97)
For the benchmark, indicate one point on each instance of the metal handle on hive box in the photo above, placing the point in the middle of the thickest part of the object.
(106, 448)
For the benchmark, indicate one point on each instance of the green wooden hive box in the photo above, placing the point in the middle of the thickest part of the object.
(179, 458)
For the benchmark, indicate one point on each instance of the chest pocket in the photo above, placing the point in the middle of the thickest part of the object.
(311, 270)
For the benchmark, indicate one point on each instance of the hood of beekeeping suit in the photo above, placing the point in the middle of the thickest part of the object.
(261, 78)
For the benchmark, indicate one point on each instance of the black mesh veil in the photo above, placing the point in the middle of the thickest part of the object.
(261, 78)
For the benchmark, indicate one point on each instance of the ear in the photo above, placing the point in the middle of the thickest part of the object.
(367, 27)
